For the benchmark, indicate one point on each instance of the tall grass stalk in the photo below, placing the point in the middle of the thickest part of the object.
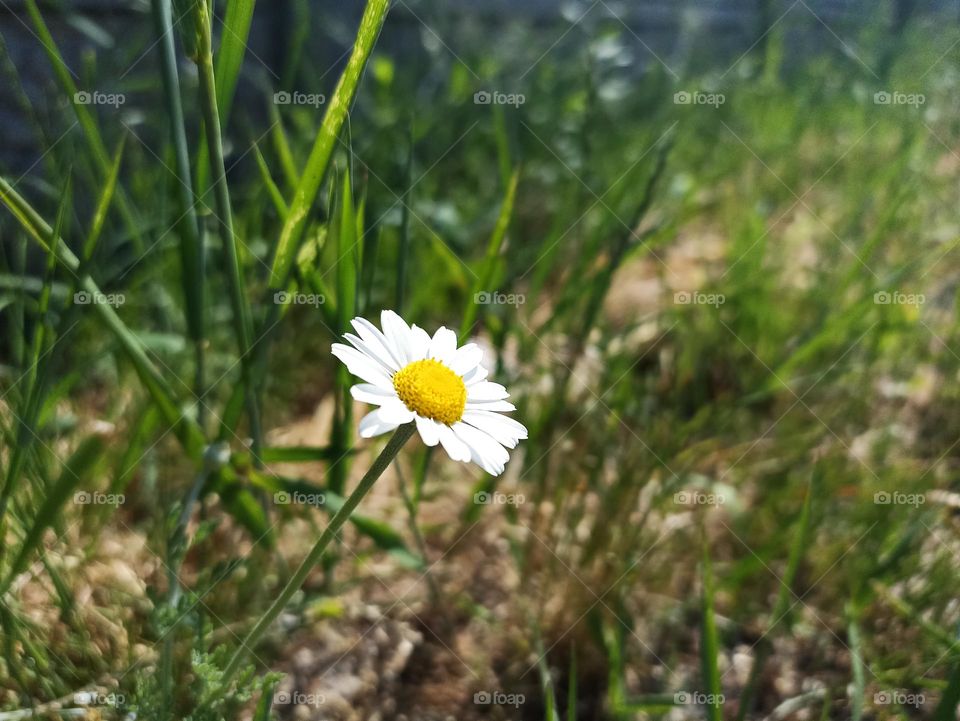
(239, 301)
(187, 431)
(191, 232)
(396, 442)
(308, 187)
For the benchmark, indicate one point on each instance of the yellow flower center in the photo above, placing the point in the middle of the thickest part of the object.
(430, 389)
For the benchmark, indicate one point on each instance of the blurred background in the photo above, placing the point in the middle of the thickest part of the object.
(709, 247)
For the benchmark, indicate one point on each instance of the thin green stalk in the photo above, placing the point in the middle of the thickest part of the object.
(187, 431)
(85, 117)
(397, 441)
(319, 160)
(308, 186)
(709, 643)
(191, 236)
(782, 606)
(404, 245)
(238, 297)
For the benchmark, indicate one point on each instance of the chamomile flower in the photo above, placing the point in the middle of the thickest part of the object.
(415, 378)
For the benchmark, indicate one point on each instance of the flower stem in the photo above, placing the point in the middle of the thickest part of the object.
(400, 437)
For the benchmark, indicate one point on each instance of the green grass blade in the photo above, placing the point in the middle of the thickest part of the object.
(191, 231)
(187, 431)
(798, 549)
(103, 206)
(486, 275)
(78, 468)
(233, 46)
(85, 118)
(273, 191)
(572, 686)
(947, 708)
(858, 690)
(709, 643)
(316, 167)
(239, 300)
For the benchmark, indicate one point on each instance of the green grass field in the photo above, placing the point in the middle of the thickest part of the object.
(721, 292)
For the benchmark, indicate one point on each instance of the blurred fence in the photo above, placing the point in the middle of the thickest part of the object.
(110, 42)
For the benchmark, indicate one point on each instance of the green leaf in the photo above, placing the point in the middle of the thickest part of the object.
(188, 432)
(485, 277)
(316, 167)
(233, 45)
(79, 468)
(709, 644)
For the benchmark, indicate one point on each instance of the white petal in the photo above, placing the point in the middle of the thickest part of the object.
(397, 333)
(477, 375)
(487, 391)
(372, 425)
(465, 359)
(484, 450)
(376, 340)
(443, 345)
(455, 448)
(371, 352)
(361, 366)
(490, 406)
(395, 411)
(419, 342)
(375, 395)
(429, 430)
(502, 429)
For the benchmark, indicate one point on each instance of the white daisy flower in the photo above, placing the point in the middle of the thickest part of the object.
(414, 378)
